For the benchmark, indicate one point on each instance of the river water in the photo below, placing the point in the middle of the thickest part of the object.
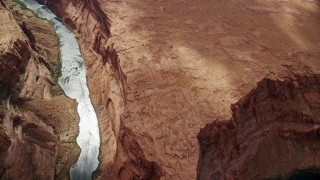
(74, 84)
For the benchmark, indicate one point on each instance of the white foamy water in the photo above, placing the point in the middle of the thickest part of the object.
(74, 84)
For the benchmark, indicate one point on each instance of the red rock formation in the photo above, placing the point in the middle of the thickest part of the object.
(130, 161)
(4, 145)
(274, 131)
(33, 151)
(17, 56)
(105, 78)
(186, 62)
(14, 52)
(37, 133)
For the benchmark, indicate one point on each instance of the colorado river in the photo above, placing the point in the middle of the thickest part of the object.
(73, 83)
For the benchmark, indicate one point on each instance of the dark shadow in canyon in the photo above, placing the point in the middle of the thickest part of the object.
(304, 174)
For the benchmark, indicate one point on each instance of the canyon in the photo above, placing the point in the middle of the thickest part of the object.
(182, 89)
(38, 124)
(74, 85)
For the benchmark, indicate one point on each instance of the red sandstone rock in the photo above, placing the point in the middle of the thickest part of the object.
(105, 78)
(274, 131)
(14, 52)
(185, 63)
(33, 152)
(37, 135)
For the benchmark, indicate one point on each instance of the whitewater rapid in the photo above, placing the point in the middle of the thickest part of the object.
(74, 84)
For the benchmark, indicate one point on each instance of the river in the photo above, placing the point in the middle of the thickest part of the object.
(74, 84)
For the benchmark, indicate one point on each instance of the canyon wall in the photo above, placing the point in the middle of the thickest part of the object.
(107, 84)
(21, 158)
(15, 54)
(274, 131)
(185, 62)
(38, 124)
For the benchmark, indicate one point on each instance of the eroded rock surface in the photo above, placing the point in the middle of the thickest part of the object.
(105, 78)
(14, 52)
(32, 152)
(274, 131)
(38, 124)
(185, 63)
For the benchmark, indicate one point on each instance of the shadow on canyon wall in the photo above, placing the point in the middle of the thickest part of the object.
(188, 61)
(273, 132)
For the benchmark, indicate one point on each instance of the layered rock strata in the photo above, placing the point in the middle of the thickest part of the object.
(185, 63)
(14, 50)
(32, 152)
(183, 70)
(105, 78)
(38, 124)
(274, 131)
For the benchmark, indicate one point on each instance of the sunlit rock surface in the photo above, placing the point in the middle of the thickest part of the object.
(185, 63)
(14, 52)
(38, 124)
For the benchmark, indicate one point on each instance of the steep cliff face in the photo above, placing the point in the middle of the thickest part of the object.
(32, 149)
(185, 63)
(130, 161)
(274, 131)
(38, 124)
(107, 90)
(14, 52)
